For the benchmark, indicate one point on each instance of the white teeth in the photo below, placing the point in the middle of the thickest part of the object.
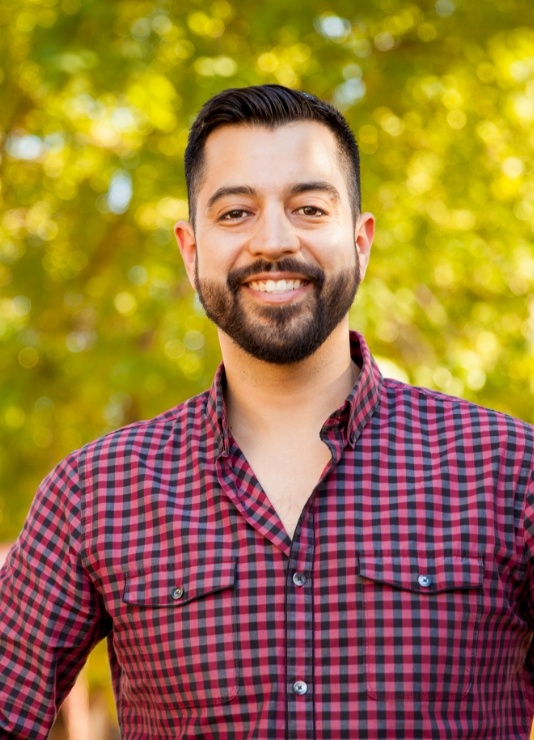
(275, 286)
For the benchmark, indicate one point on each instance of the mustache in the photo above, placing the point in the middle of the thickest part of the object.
(287, 264)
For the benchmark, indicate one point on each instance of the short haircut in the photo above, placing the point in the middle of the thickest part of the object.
(270, 106)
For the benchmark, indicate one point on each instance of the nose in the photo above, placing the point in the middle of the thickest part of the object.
(274, 235)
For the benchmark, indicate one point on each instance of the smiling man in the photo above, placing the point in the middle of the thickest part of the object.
(280, 230)
(307, 550)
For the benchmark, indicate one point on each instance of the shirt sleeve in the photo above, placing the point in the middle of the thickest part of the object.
(528, 589)
(50, 614)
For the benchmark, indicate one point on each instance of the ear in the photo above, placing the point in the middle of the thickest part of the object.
(185, 236)
(363, 238)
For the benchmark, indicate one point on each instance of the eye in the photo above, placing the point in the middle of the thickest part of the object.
(236, 214)
(311, 211)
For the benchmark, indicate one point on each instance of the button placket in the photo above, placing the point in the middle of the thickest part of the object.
(299, 631)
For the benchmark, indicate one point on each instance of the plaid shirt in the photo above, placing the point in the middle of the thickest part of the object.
(402, 608)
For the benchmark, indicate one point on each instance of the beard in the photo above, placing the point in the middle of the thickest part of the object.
(280, 334)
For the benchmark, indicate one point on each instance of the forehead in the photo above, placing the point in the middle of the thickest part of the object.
(261, 156)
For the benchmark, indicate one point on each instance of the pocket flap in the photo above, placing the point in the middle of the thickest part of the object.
(424, 574)
(176, 586)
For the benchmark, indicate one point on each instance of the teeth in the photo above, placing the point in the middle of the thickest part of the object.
(275, 286)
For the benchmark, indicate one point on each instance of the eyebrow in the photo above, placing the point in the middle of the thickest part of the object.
(321, 185)
(297, 189)
(229, 190)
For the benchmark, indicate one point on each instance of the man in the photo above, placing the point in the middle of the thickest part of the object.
(307, 550)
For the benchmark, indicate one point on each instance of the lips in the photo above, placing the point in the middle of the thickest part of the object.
(275, 286)
(275, 277)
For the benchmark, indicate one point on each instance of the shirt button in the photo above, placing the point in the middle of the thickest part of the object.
(299, 579)
(300, 687)
(177, 593)
(424, 581)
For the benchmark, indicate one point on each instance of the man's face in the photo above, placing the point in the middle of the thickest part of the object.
(275, 255)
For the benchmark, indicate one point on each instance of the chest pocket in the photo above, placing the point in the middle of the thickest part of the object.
(176, 644)
(421, 615)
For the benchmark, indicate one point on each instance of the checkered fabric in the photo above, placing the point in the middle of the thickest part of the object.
(402, 608)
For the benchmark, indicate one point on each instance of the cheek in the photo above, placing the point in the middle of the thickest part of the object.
(210, 262)
(207, 269)
(217, 256)
(338, 256)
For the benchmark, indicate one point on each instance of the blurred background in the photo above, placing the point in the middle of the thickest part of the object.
(98, 325)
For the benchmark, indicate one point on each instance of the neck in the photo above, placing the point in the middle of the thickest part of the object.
(261, 395)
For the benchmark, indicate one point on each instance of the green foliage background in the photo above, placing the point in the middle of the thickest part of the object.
(98, 326)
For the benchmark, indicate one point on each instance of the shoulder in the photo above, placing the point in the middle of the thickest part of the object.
(146, 439)
(432, 410)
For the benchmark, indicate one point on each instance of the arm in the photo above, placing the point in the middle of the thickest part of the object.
(528, 588)
(50, 614)
(528, 535)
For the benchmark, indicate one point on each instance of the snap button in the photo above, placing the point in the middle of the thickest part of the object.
(299, 579)
(300, 687)
(177, 593)
(424, 581)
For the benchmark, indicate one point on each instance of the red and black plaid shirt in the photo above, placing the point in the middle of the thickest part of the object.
(403, 607)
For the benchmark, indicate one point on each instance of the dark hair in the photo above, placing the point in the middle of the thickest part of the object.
(270, 106)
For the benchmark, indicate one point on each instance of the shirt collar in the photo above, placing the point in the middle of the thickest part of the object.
(364, 398)
(349, 419)
(216, 413)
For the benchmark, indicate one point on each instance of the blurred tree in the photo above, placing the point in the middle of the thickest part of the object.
(98, 325)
